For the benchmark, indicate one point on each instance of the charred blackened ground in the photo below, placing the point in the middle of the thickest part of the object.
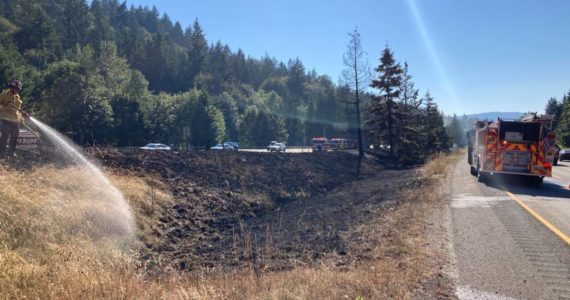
(232, 209)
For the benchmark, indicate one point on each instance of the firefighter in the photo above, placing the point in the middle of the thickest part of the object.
(10, 117)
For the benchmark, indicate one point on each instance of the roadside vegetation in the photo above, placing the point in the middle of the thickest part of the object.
(561, 111)
(52, 245)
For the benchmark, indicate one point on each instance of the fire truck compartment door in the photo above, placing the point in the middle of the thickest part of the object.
(516, 161)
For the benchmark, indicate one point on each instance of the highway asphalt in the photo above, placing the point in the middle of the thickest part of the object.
(508, 239)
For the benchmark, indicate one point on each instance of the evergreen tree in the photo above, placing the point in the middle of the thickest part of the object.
(385, 111)
(410, 136)
(75, 23)
(240, 73)
(555, 108)
(36, 35)
(197, 53)
(563, 129)
(296, 81)
(128, 122)
(177, 35)
(200, 123)
(102, 29)
(436, 136)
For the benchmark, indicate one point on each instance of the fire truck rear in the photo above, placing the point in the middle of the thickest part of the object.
(320, 144)
(520, 147)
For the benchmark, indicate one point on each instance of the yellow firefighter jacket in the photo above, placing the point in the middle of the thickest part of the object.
(8, 104)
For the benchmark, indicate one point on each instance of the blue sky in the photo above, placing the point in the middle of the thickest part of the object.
(473, 56)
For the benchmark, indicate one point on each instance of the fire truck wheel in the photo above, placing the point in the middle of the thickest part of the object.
(482, 177)
(473, 171)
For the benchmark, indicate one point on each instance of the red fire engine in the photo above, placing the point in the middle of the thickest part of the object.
(520, 147)
(320, 144)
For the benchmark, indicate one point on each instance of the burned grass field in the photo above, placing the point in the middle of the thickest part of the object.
(229, 226)
(219, 198)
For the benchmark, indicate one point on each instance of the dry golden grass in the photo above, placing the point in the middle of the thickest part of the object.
(54, 247)
(59, 238)
(438, 164)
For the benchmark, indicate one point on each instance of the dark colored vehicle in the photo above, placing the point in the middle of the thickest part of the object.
(564, 154)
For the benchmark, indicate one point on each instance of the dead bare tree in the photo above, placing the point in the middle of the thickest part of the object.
(357, 71)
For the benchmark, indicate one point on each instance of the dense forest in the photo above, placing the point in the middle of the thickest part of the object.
(107, 73)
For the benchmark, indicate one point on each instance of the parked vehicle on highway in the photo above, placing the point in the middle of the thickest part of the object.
(564, 154)
(523, 147)
(224, 146)
(556, 155)
(277, 147)
(320, 144)
(233, 144)
(270, 144)
(342, 144)
(155, 146)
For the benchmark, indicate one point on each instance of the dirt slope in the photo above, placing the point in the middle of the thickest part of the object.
(219, 196)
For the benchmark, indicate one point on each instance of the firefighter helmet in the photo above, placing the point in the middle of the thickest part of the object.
(17, 84)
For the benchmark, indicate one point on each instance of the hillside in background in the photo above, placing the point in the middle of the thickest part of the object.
(495, 115)
(466, 121)
(143, 78)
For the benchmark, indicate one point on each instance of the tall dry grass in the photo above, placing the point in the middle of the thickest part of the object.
(53, 246)
(60, 239)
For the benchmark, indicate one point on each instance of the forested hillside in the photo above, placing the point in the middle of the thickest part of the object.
(108, 73)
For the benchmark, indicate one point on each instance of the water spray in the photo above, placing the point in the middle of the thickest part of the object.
(116, 211)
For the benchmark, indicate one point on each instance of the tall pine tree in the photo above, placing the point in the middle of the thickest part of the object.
(436, 137)
(385, 111)
(410, 137)
(563, 129)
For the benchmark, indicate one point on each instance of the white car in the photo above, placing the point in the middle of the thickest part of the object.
(277, 147)
(155, 146)
(271, 144)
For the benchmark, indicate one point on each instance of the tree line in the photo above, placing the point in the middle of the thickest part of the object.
(560, 109)
(397, 119)
(109, 74)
